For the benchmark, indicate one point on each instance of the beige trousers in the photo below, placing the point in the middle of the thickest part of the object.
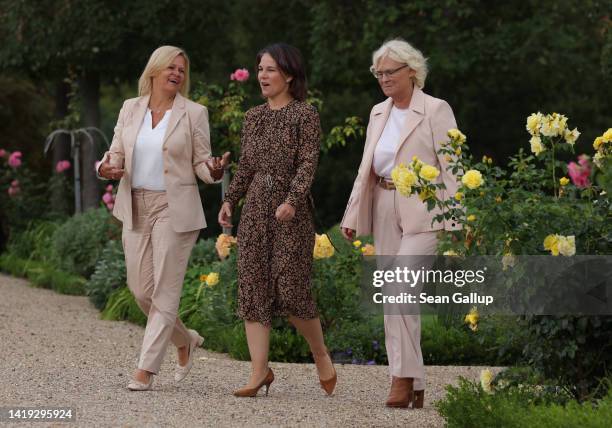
(402, 332)
(156, 259)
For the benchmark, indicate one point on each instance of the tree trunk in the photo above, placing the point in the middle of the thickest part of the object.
(89, 85)
(61, 150)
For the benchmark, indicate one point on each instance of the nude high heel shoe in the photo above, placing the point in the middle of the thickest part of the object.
(252, 392)
(181, 372)
(135, 385)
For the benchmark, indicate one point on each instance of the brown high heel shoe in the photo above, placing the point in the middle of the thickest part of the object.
(329, 385)
(418, 399)
(252, 392)
(401, 393)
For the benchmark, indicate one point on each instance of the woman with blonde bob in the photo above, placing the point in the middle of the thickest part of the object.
(408, 123)
(160, 144)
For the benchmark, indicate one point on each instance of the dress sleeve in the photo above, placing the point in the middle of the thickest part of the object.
(307, 158)
(244, 174)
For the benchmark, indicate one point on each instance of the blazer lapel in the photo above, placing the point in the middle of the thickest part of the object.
(138, 113)
(414, 117)
(380, 117)
(178, 110)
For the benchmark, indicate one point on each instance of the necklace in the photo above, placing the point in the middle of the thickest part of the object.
(160, 109)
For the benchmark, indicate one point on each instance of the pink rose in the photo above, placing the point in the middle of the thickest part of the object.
(12, 191)
(241, 75)
(2, 153)
(109, 188)
(62, 166)
(14, 160)
(15, 183)
(580, 172)
(107, 198)
(110, 206)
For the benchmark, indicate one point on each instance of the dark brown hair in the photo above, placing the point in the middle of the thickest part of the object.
(289, 60)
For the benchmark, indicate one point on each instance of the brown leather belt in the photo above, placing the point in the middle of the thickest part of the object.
(384, 183)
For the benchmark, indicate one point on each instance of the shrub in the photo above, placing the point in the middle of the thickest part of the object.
(121, 305)
(79, 242)
(467, 405)
(109, 274)
(34, 242)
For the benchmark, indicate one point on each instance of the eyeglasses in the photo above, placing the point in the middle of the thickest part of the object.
(386, 73)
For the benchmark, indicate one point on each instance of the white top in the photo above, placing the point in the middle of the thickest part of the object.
(384, 154)
(147, 161)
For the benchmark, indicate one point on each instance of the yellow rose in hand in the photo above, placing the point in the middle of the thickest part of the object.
(472, 179)
(429, 172)
(458, 196)
(368, 250)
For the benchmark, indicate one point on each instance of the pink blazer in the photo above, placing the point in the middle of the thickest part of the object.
(425, 129)
(186, 149)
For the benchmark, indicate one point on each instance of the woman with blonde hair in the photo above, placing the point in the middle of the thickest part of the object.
(160, 144)
(408, 123)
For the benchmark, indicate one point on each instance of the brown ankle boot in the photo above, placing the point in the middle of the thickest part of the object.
(400, 394)
(419, 399)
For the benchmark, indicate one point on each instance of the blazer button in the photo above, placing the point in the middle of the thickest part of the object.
(165, 171)
(453, 224)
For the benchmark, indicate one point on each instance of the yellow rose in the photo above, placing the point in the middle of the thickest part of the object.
(536, 145)
(472, 179)
(498, 199)
(471, 217)
(571, 136)
(534, 122)
(508, 260)
(404, 179)
(212, 279)
(357, 244)
(223, 245)
(458, 196)
(598, 142)
(551, 243)
(450, 253)
(203, 278)
(472, 317)
(448, 158)
(425, 194)
(458, 151)
(567, 245)
(486, 377)
(368, 250)
(564, 181)
(456, 136)
(429, 172)
(323, 247)
(607, 136)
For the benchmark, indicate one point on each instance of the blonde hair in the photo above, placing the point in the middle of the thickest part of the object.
(401, 51)
(161, 58)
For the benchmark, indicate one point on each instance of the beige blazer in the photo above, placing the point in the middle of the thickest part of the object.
(186, 149)
(425, 129)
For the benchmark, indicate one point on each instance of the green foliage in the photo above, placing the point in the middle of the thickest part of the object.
(467, 405)
(121, 305)
(34, 242)
(78, 243)
(42, 274)
(109, 274)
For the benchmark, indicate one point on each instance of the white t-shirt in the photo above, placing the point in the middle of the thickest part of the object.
(147, 161)
(384, 154)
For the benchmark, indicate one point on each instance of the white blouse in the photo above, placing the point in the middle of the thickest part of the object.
(384, 154)
(147, 161)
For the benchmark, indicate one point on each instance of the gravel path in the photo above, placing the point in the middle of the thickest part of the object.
(55, 351)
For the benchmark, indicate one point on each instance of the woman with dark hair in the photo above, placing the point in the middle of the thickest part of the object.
(279, 154)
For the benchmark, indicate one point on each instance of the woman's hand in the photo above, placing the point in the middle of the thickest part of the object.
(218, 165)
(285, 212)
(109, 172)
(348, 234)
(225, 215)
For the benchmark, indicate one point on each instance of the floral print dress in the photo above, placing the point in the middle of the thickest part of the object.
(279, 155)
